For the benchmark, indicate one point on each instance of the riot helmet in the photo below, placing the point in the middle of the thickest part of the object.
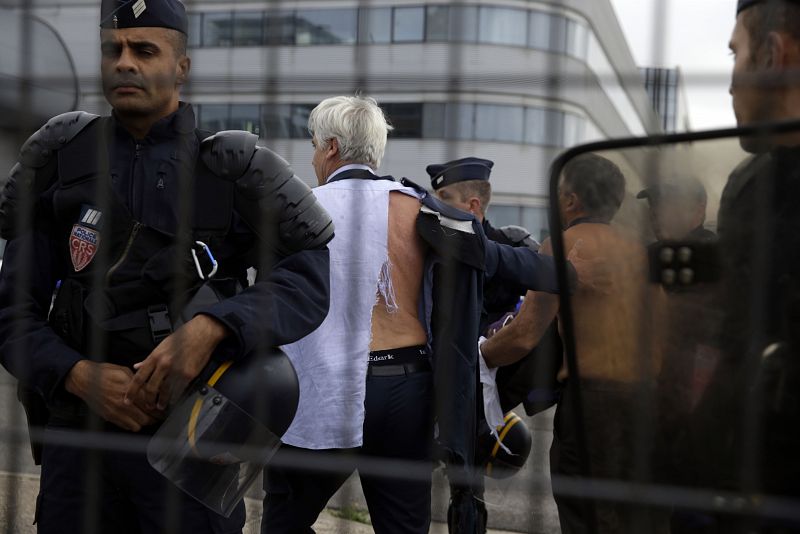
(226, 428)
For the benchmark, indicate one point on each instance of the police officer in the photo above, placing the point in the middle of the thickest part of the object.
(746, 428)
(132, 213)
(678, 209)
(464, 184)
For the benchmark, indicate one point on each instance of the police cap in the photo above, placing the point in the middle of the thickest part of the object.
(744, 4)
(118, 14)
(459, 170)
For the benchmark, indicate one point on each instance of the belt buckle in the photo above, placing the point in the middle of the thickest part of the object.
(160, 324)
(208, 256)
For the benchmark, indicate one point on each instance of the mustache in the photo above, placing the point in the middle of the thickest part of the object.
(125, 80)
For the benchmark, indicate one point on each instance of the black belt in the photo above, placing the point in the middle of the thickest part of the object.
(399, 369)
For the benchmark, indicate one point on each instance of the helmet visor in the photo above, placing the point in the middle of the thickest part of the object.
(211, 449)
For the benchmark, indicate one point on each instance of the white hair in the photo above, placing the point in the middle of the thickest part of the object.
(358, 125)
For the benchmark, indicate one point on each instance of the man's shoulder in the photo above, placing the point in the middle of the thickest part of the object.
(595, 237)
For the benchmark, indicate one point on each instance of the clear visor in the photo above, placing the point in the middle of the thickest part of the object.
(211, 449)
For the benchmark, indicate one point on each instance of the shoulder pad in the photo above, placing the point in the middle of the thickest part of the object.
(57, 132)
(227, 154)
(28, 178)
(268, 190)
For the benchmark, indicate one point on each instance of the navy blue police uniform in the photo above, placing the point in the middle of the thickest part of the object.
(116, 233)
(499, 296)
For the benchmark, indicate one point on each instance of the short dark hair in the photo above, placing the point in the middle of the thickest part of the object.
(769, 16)
(474, 188)
(597, 182)
(179, 42)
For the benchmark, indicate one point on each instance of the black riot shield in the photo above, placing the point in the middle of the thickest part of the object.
(680, 405)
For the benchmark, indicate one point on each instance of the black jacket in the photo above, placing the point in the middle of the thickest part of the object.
(148, 178)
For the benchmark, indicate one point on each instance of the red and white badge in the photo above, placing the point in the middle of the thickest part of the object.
(85, 238)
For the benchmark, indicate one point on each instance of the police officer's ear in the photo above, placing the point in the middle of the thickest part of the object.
(184, 65)
(475, 206)
(782, 51)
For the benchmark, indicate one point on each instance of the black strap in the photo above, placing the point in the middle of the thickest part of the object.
(359, 174)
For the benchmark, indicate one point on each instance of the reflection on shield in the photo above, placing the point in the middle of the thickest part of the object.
(212, 449)
(681, 376)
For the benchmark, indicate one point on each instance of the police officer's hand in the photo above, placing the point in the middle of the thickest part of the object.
(102, 386)
(593, 274)
(176, 361)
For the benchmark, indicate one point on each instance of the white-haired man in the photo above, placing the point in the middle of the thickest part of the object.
(365, 373)
(406, 289)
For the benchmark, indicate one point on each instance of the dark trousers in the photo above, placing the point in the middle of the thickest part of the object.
(608, 410)
(397, 426)
(86, 491)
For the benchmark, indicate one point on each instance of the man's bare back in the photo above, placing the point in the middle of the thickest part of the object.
(399, 326)
(607, 326)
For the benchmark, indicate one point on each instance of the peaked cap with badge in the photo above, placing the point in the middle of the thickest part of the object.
(120, 14)
(459, 170)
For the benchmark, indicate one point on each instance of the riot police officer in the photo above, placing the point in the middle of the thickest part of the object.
(132, 213)
(746, 422)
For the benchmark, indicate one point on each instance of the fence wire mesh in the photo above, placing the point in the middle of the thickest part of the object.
(655, 391)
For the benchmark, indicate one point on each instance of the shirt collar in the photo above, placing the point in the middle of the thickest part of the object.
(349, 167)
(181, 121)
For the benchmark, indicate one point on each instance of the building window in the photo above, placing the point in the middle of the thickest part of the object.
(437, 24)
(409, 24)
(375, 25)
(248, 28)
(544, 127)
(244, 117)
(213, 117)
(412, 120)
(577, 39)
(433, 117)
(195, 37)
(325, 26)
(217, 29)
(276, 121)
(406, 120)
(503, 26)
(432, 23)
(279, 28)
(299, 121)
(549, 32)
(459, 121)
(464, 24)
(498, 123)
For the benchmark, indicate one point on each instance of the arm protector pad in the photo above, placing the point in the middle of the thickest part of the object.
(25, 181)
(275, 203)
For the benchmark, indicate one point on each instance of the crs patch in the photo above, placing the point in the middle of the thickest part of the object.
(85, 237)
